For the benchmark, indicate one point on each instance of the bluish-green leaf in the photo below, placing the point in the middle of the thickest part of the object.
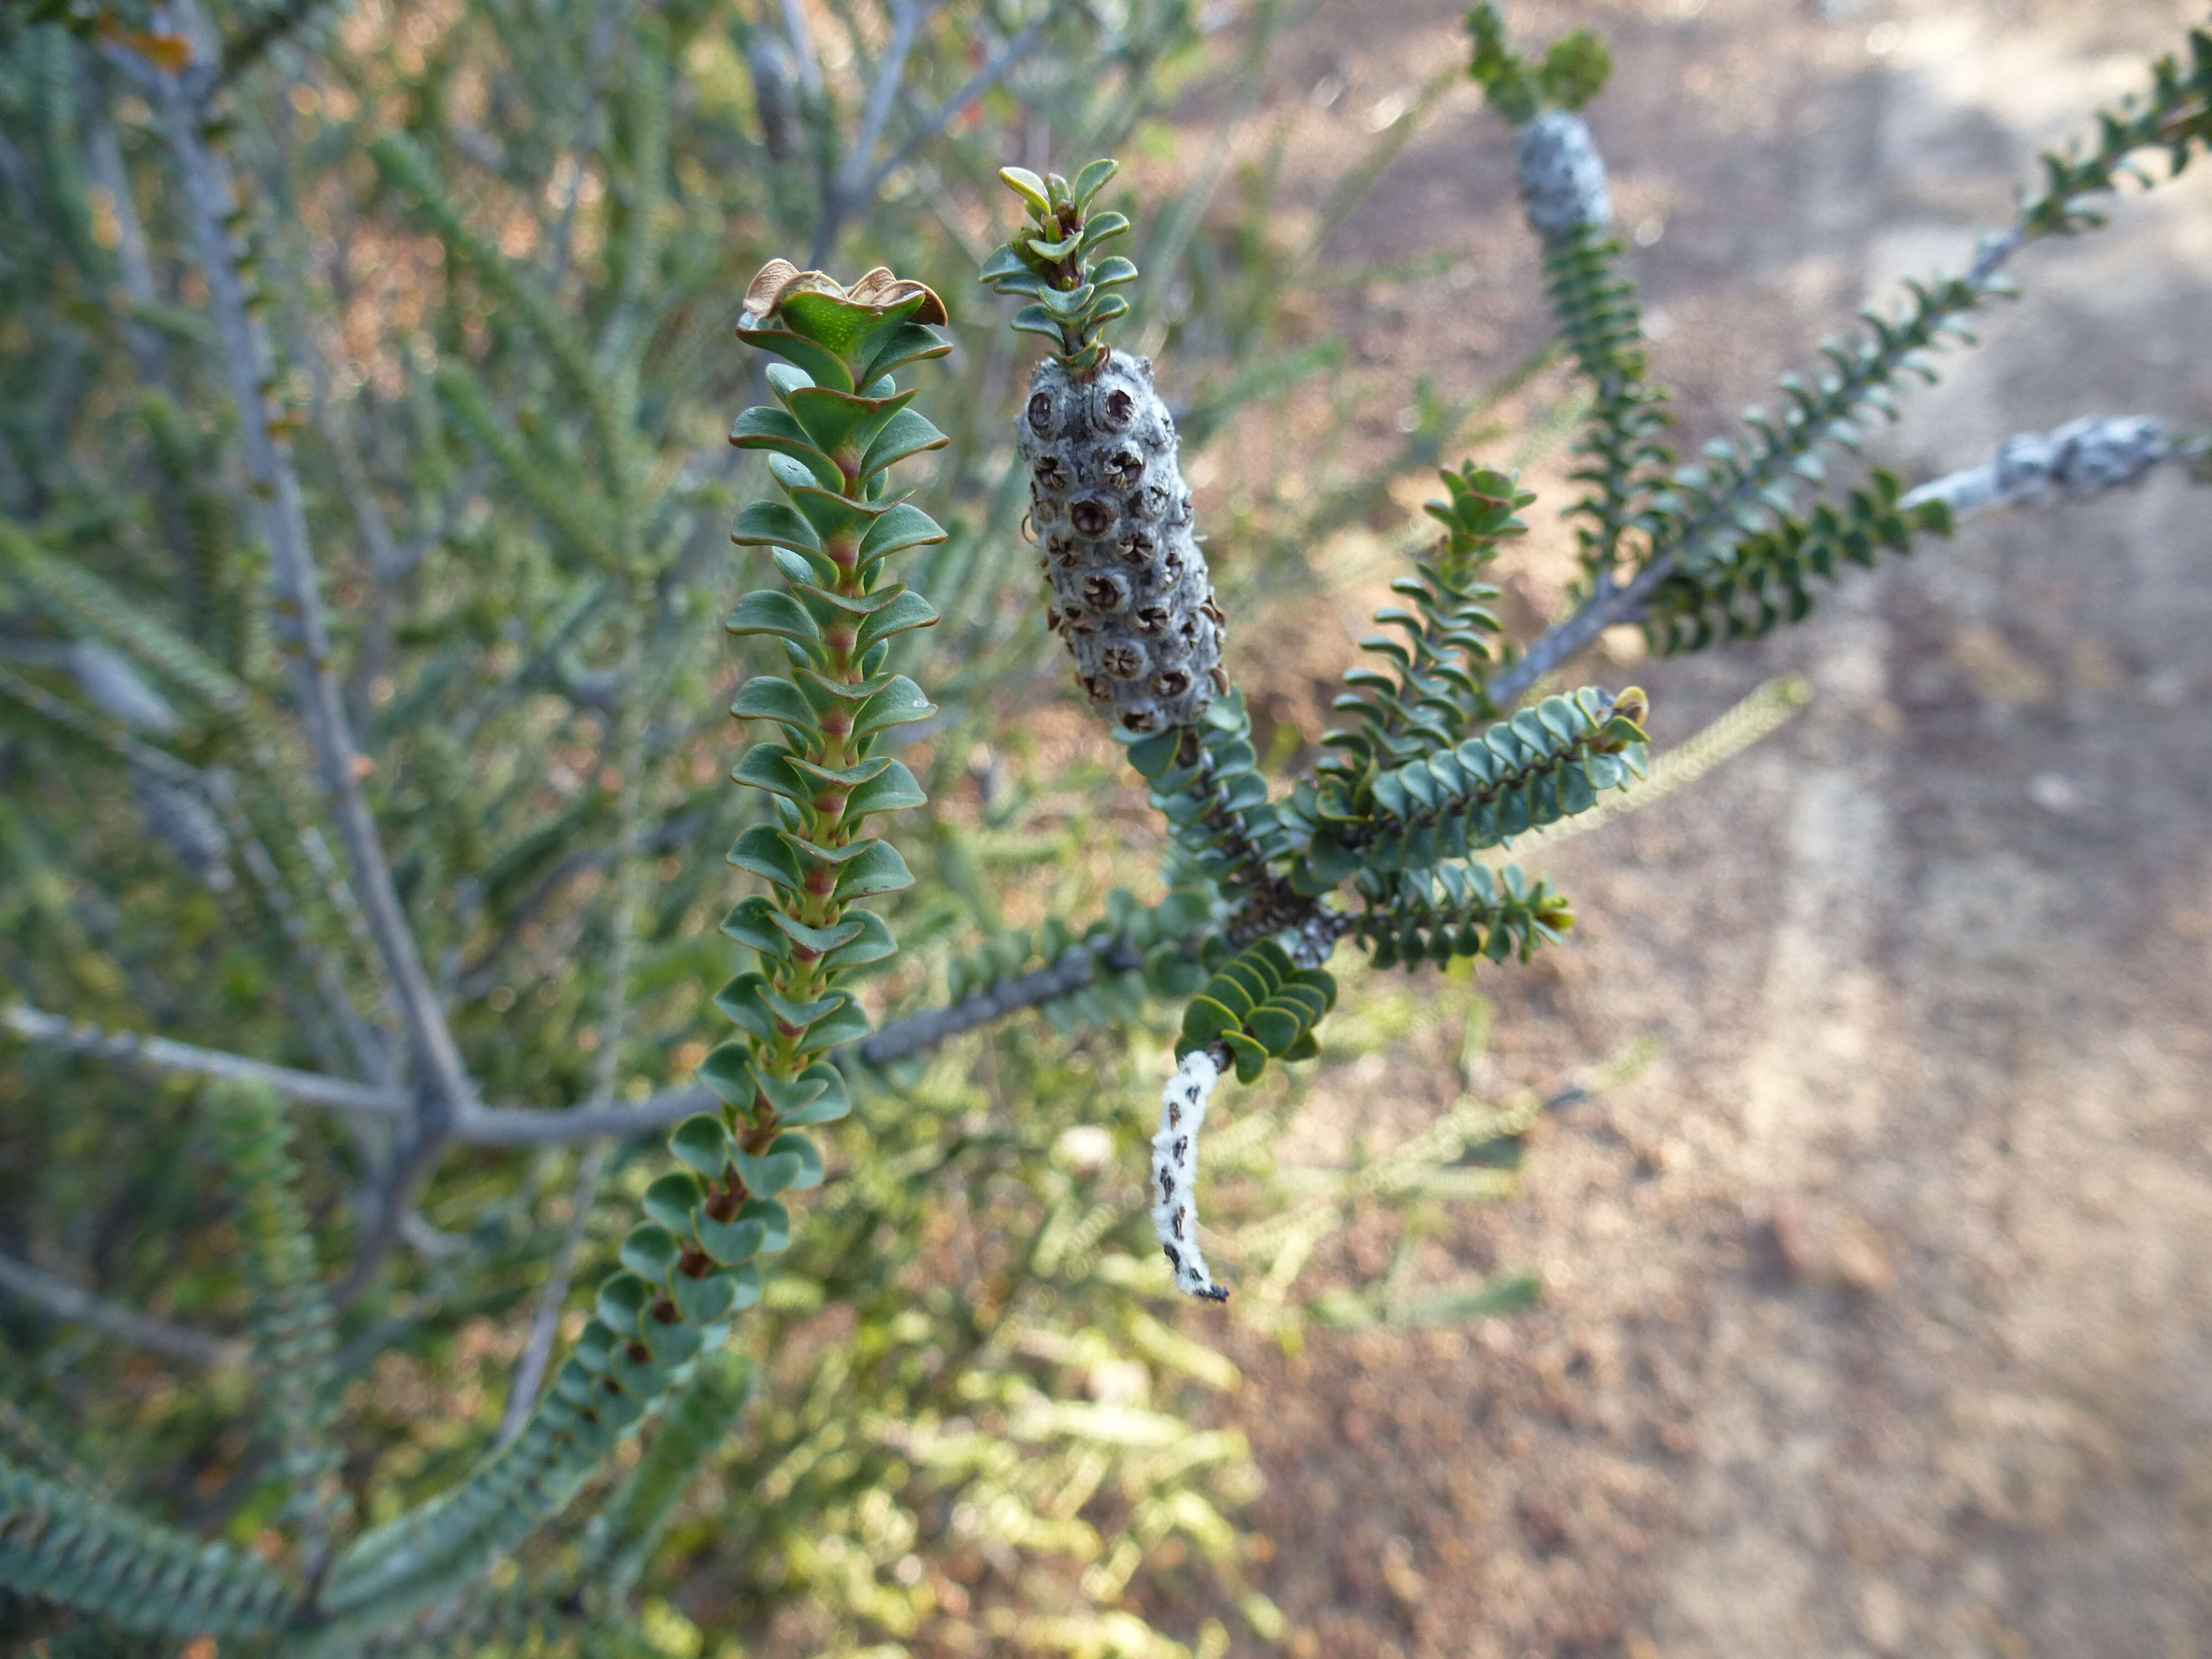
(897, 528)
(877, 869)
(910, 610)
(891, 790)
(906, 434)
(702, 1142)
(765, 610)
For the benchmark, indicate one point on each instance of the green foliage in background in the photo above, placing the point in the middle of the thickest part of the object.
(367, 381)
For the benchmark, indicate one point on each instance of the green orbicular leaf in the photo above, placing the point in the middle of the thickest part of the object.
(1100, 227)
(765, 427)
(703, 1300)
(1003, 262)
(1153, 756)
(899, 703)
(650, 1251)
(765, 610)
(835, 324)
(1027, 186)
(877, 869)
(872, 944)
(1251, 1059)
(837, 520)
(1036, 320)
(702, 1142)
(767, 766)
(672, 1200)
(830, 1104)
(905, 433)
(841, 424)
(910, 610)
(1274, 1027)
(1092, 179)
(733, 1241)
(728, 1072)
(897, 528)
(765, 697)
(895, 347)
(819, 940)
(767, 852)
(891, 790)
(822, 366)
(1205, 1019)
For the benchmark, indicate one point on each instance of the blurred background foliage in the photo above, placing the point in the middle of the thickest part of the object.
(500, 245)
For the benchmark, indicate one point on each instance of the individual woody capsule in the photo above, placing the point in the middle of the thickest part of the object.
(1108, 504)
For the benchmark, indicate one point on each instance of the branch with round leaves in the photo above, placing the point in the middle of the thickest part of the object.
(1457, 910)
(1048, 262)
(1545, 763)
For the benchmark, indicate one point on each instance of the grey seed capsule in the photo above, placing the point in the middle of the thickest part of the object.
(1130, 589)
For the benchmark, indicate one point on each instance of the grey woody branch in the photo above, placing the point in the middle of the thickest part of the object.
(165, 1055)
(2082, 457)
(1078, 966)
(64, 1301)
(210, 204)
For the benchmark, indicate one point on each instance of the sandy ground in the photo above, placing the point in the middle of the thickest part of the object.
(1879, 1310)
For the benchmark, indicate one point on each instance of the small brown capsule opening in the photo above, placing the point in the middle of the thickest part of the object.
(1041, 412)
(1126, 662)
(1102, 593)
(1064, 552)
(1120, 408)
(1173, 683)
(1151, 619)
(1135, 548)
(1098, 689)
(1140, 720)
(1049, 472)
(1090, 518)
(1126, 467)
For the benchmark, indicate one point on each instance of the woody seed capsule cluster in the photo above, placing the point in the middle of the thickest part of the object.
(1112, 518)
(1562, 176)
(1108, 509)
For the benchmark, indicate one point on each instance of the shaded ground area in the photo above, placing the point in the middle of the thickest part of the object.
(1878, 1318)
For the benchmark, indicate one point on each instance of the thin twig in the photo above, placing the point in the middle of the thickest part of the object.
(165, 1054)
(802, 46)
(1077, 967)
(993, 71)
(846, 190)
(208, 201)
(529, 1125)
(64, 1301)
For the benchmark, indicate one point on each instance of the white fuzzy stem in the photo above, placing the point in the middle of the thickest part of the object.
(2083, 457)
(1175, 1173)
